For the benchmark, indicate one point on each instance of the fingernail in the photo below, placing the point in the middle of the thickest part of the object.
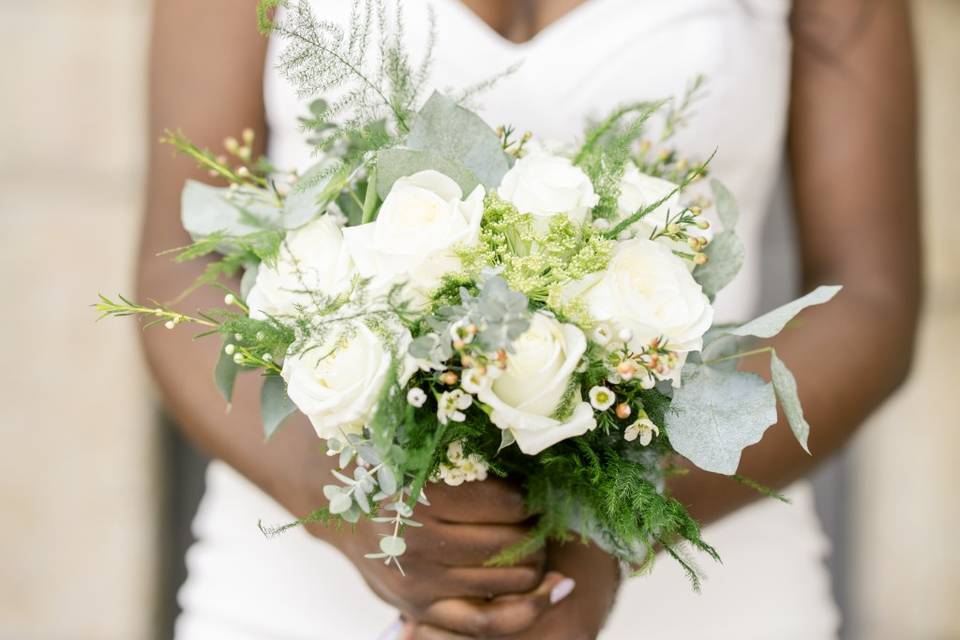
(393, 631)
(562, 590)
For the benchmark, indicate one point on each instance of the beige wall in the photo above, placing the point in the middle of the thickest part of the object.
(77, 446)
(905, 509)
(78, 477)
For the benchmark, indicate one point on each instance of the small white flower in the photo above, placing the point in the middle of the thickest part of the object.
(472, 380)
(643, 428)
(453, 476)
(238, 358)
(625, 335)
(229, 299)
(474, 468)
(462, 331)
(602, 398)
(230, 349)
(170, 324)
(460, 468)
(267, 357)
(602, 334)
(416, 397)
(452, 405)
(455, 451)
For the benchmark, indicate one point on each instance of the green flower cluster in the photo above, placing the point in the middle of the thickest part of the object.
(533, 262)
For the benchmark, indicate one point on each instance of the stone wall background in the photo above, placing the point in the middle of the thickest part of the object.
(81, 456)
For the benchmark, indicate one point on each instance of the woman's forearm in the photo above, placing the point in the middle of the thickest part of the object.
(848, 356)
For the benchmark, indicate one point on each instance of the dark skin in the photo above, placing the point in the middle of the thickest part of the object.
(853, 158)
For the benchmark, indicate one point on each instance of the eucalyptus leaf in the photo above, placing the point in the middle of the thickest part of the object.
(225, 375)
(319, 186)
(725, 256)
(387, 480)
(785, 386)
(393, 164)
(716, 414)
(726, 204)
(340, 503)
(275, 406)
(771, 323)
(445, 128)
(393, 546)
(205, 210)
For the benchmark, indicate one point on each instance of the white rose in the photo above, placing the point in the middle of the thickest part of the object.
(648, 291)
(336, 383)
(311, 258)
(546, 185)
(421, 220)
(639, 190)
(530, 390)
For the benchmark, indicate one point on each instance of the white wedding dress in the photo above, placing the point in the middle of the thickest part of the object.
(772, 584)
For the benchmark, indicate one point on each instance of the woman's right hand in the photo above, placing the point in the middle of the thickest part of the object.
(446, 583)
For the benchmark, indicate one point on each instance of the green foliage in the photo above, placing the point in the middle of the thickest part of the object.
(321, 57)
(607, 150)
(536, 264)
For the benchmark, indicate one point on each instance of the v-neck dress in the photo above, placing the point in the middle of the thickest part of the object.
(772, 583)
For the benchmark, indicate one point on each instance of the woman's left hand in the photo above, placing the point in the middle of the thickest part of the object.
(578, 616)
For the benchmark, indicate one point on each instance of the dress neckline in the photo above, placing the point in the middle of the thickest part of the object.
(544, 34)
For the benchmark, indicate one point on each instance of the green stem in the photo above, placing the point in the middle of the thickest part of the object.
(737, 356)
(370, 198)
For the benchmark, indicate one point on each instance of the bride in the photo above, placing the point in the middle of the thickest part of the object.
(826, 85)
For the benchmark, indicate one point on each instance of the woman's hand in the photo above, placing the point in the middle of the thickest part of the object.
(447, 584)
(576, 615)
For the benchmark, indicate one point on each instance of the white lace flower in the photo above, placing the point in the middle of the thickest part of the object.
(416, 397)
(602, 398)
(451, 406)
(460, 468)
(642, 429)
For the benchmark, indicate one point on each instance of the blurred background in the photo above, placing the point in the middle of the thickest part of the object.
(96, 491)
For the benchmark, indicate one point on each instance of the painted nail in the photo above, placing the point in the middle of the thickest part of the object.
(563, 589)
(393, 631)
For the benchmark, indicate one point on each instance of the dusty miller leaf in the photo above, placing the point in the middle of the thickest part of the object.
(771, 323)
(716, 414)
(785, 386)
(275, 405)
(445, 128)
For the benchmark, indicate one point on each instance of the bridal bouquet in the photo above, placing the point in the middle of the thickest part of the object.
(445, 301)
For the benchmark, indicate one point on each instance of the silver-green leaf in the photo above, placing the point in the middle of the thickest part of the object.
(727, 208)
(771, 323)
(225, 375)
(275, 405)
(393, 164)
(445, 128)
(785, 386)
(725, 256)
(716, 414)
(205, 210)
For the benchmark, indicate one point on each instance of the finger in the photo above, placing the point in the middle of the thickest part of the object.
(488, 583)
(428, 632)
(492, 501)
(500, 617)
(468, 545)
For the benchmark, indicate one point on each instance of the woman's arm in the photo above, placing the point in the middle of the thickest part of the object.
(853, 151)
(206, 79)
